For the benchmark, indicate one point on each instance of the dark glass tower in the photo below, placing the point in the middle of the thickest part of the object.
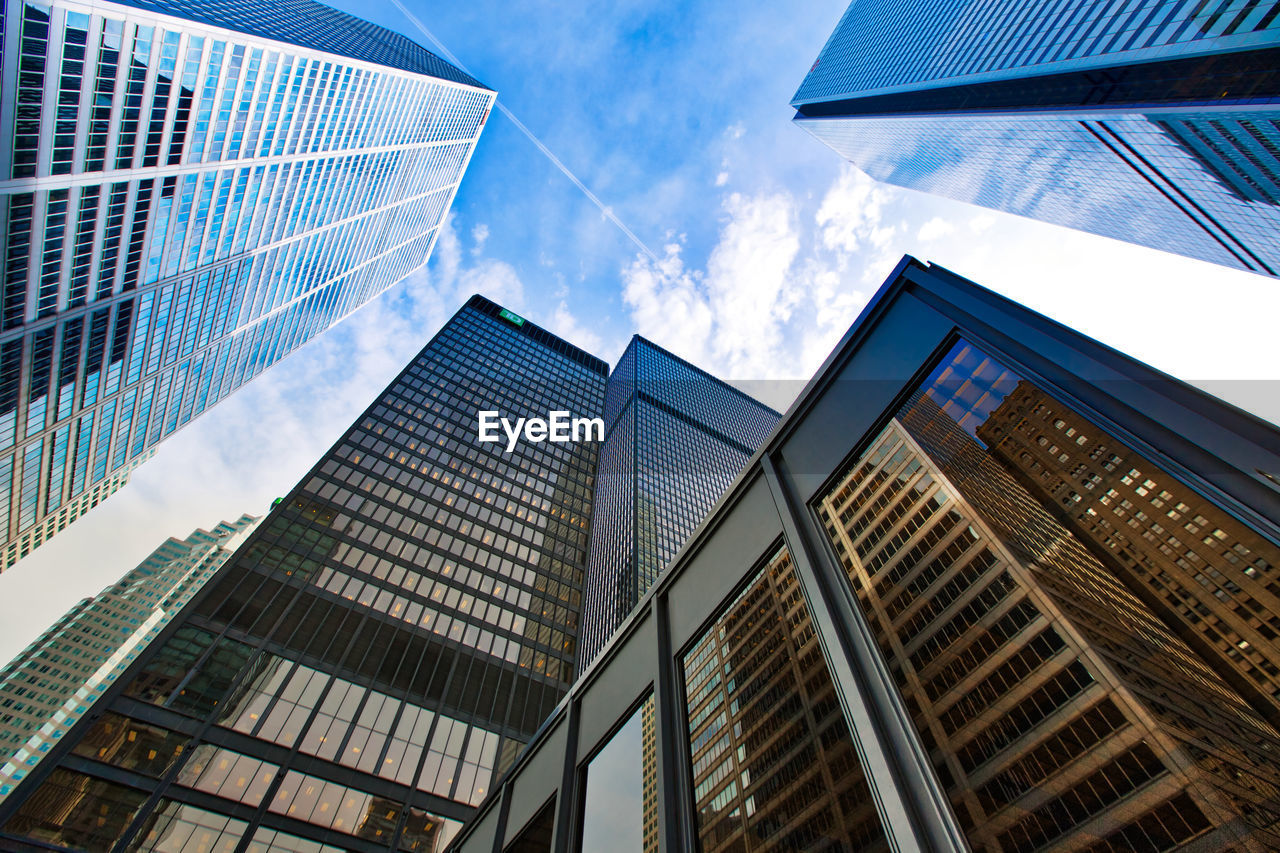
(388, 639)
(675, 437)
(1151, 122)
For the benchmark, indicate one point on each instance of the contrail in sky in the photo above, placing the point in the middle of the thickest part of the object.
(605, 209)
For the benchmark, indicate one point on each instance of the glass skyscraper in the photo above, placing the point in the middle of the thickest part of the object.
(54, 681)
(675, 437)
(949, 606)
(189, 191)
(389, 638)
(1150, 121)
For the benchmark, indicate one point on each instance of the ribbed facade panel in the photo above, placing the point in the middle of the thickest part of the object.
(185, 204)
(960, 41)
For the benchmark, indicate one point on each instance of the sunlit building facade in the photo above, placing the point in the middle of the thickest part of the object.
(675, 437)
(386, 642)
(1151, 122)
(56, 679)
(189, 191)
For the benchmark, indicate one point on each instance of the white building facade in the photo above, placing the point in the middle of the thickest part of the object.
(56, 679)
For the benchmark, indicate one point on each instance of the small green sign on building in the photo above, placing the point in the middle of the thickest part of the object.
(513, 319)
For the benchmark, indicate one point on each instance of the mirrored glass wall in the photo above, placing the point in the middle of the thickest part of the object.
(1084, 642)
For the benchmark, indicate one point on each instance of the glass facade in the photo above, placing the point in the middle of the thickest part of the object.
(988, 587)
(53, 682)
(1150, 122)
(387, 641)
(774, 767)
(675, 437)
(1213, 577)
(1060, 709)
(190, 191)
(618, 804)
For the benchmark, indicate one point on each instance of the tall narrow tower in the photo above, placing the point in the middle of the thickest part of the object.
(189, 191)
(392, 634)
(675, 437)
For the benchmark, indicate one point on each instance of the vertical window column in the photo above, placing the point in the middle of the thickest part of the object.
(135, 83)
(55, 230)
(32, 52)
(38, 387)
(160, 98)
(104, 88)
(17, 256)
(75, 39)
(10, 384)
(82, 259)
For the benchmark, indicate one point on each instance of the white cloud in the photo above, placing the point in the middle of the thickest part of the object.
(851, 216)
(748, 280)
(564, 324)
(722, 178)
(446, 275)
(494, 279)
(479, 235)
(668, 303)
(981, 222)
(772, 297)
(934, 229)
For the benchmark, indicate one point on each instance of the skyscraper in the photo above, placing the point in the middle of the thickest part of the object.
(884, 638)
(50, 685)
(675, 437)
(387, 640)
(191, 190)
(1151, 122)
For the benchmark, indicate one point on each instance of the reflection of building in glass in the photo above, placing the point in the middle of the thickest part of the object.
(675, 437)
(54, 681)
(1193, 563)
(189, 191)
(649, 772)
(1056, 707)
(1151, 122)
(383, 645)
(773, 766)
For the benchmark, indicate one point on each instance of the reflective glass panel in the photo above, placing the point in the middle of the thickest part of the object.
(774, 767)
(76, 811)
(620, 804)
(1083, 641)
(536, 835)
(131, 744)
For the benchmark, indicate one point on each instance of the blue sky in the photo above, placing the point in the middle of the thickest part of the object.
(676, 115)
